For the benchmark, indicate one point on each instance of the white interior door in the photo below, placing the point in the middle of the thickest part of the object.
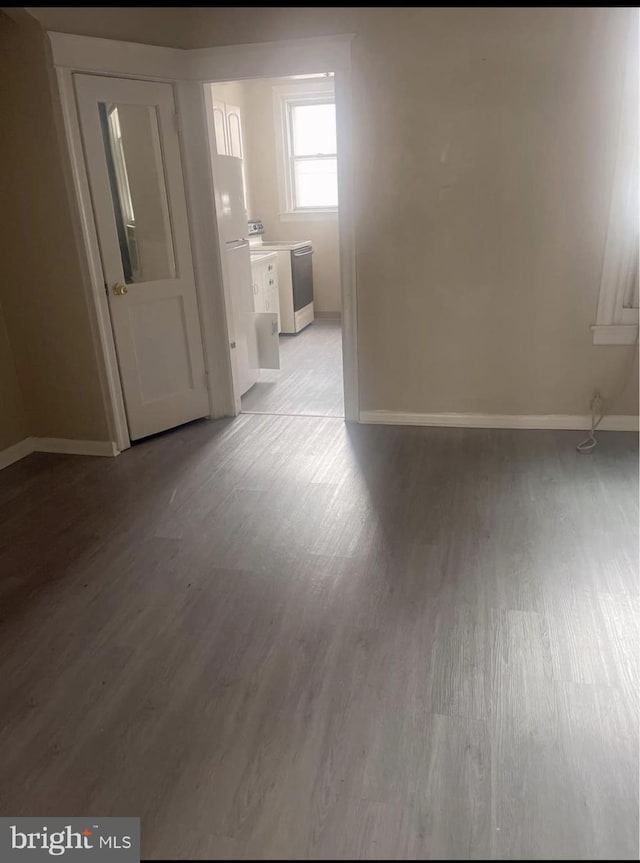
(135, 173)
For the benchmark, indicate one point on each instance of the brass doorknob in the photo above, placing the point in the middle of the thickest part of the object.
(119, 289)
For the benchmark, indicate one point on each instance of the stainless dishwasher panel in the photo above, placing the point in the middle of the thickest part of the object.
(302, 277)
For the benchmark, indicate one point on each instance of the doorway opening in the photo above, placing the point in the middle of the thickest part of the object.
(274, 158)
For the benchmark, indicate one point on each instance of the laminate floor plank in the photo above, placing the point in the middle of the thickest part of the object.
(285, 637)
(309, 381)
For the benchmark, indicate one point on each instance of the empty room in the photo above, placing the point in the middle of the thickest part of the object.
(319, 433)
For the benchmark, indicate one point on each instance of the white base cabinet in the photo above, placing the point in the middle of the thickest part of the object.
(264, 274)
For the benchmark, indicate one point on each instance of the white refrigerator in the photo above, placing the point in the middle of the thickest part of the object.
(253, 335)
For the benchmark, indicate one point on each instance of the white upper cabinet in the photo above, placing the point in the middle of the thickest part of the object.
(227, 127)
(220, 128)
(234, 131)
(227, 123)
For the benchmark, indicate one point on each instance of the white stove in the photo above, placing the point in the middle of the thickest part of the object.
(295, 276)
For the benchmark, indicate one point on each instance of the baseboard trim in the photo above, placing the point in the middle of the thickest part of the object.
(74, 447)
(64, 446)
(328, 316)
(615, 334)
(14, 453)
(500, 421)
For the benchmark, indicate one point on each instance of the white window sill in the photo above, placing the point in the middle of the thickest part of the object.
(309, 216)
(615, 334)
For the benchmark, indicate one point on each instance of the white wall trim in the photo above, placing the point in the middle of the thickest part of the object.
(499, 421)
(14, 453)
(346, 235)
(203, 226)
(65, 446)
(294, 57)
(282, 94)
(75, 447)
(328, 315)
(110, 57)
(618, 297)
(269, 59)
(225, 63)
(615, 334)
(310, 216)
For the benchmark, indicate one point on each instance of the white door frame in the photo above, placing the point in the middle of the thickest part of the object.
(188, 71)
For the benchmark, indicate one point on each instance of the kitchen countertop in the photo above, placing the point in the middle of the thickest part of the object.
(261, 256)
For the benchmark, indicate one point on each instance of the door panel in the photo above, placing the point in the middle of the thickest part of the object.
(135, 173)
(238, 273)
(259, 294)
(234, 131)
(219, 125)
(159, 330)
(229, 195)
(268, 340)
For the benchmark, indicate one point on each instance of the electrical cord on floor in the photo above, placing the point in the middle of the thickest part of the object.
(590, 442)
(626, 372)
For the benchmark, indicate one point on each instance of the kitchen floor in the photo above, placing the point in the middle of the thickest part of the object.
(309, 382)
(279, 637)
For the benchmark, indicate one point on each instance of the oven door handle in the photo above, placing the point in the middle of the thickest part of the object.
(300, 252)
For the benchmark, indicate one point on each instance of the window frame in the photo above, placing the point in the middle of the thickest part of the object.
(617, 320)
(285, 98)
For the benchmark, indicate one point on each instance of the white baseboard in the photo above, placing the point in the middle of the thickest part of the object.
(56, 445)
(615, 334)
(14, 453)
(74, 447)
(500, 421)
(328, 316)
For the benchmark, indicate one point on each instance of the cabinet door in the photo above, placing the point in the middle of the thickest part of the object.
(234, 131)
(268, 340)
(274, 303)
(257, 276)
(270, 282)
(272, 291)
(220, 128)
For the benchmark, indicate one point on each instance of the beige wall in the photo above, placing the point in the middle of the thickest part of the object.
(13, 420)
(41, 289)
(485, 142)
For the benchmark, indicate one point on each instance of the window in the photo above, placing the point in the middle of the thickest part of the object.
(306, 149)
(313, 155)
